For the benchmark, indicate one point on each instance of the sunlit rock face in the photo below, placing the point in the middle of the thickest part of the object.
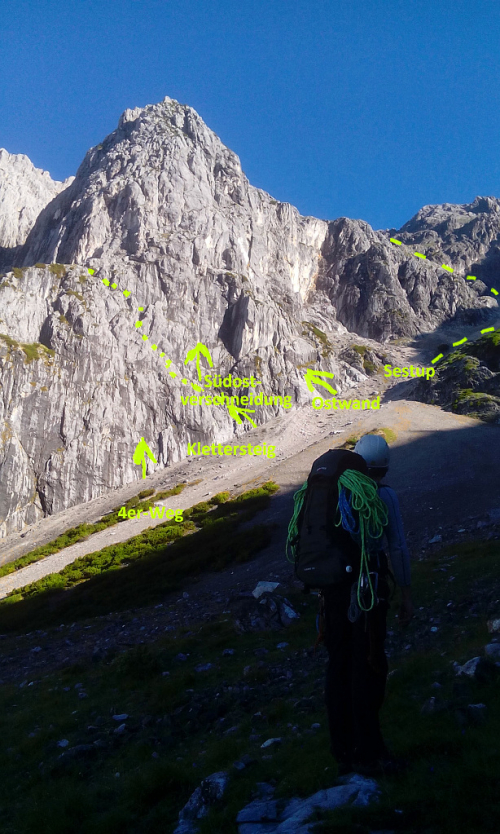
(163, 210)
(24, 192)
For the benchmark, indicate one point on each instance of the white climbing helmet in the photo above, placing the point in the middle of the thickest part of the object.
(374, 450)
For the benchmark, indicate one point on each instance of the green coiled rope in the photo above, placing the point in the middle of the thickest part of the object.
(293, 530)
(373, 517)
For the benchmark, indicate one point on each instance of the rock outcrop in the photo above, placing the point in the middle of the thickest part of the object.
(24, 192)
(162, 210)
(467, 380)
(266, 815)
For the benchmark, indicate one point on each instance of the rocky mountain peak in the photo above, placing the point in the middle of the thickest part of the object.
(159, 171)
(161, 209)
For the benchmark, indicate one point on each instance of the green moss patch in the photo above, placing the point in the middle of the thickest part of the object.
(58, 269)
(77, 295)
(320, 336)
(32, 351)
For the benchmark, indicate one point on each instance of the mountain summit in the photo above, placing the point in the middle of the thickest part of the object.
(162, 210)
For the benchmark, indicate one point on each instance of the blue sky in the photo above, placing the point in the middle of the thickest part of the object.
(363, 108)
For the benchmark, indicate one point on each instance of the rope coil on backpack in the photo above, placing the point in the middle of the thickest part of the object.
(293, 530)
(359, 492)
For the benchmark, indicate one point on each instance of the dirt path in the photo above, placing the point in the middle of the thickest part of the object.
(443, 466)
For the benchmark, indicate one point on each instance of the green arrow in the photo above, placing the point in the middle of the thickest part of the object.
(233, 411)
(199, 350)
(313, 378)
(141, 450)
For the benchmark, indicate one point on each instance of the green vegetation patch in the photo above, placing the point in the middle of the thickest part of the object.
(156, 561)
(58, 269)
(322, 337)
(83, 531)
(77, 295)
(487, 349)
(389, 435)
(146, 493)
(464, 369)
(32, 351)
(174, 491)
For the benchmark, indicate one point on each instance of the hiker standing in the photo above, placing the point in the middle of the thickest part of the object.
(341, 516)
(357, 668)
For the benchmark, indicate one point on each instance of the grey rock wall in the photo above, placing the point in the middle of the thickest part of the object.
(24, 192)
(163, 209)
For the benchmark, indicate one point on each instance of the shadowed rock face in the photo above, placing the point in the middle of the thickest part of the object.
(163, 208)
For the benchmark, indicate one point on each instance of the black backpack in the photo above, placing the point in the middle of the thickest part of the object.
(323, 553)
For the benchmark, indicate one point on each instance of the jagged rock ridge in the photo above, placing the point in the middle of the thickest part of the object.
(24, 192)
(163, 208)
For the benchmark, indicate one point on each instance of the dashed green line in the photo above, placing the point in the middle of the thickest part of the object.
(138, 324)
(448, 269)
(443, 266)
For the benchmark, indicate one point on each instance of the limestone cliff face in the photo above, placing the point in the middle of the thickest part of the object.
(24, 192)
(163, 210)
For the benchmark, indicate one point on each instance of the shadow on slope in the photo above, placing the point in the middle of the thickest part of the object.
(154, 563)
(188, 710)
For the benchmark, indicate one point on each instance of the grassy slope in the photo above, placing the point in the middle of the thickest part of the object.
(136, 572)
(466, 360)
(453, 784)
(83, 531)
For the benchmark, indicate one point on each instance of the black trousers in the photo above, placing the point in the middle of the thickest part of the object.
(356, 674)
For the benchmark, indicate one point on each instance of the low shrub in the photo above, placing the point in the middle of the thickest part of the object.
(156, 562)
